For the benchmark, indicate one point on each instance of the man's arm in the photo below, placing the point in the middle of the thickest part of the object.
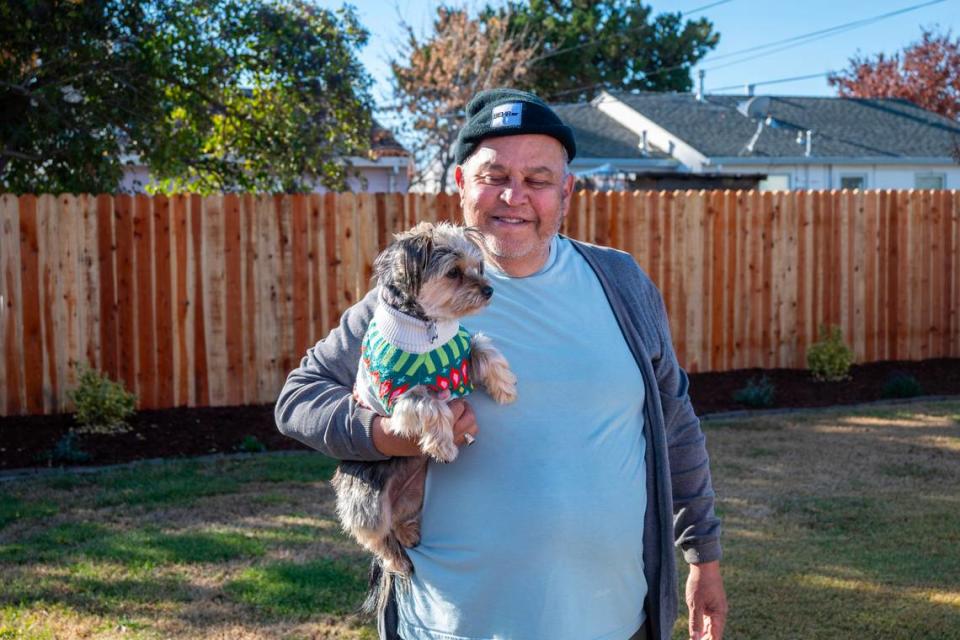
(696, 527)
(316, 404)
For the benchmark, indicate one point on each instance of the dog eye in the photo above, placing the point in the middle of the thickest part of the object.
(454, 273)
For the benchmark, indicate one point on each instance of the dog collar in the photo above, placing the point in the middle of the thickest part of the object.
(412, 334)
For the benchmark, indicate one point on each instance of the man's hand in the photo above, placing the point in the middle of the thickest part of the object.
(706, 601)
(464, 422)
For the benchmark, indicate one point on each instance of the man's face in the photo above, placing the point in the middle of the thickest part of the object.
(516, 191)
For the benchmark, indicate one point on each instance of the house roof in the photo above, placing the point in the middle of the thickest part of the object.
(842, 127)
(600, 136)
(384, 144)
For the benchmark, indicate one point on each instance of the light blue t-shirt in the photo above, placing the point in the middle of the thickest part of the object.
(535, 531)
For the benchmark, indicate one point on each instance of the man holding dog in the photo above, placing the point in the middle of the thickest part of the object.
(559, 520)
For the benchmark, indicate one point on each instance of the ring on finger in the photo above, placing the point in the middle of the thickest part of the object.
(469, 438)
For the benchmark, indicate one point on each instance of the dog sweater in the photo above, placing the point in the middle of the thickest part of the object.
(400, 352)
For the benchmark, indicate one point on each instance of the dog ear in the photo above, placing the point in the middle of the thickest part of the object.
(402, 265)
(474, 235)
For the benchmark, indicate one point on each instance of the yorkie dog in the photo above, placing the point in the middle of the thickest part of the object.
(415, 358)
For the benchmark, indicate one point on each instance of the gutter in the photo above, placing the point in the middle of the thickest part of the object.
(846, 160)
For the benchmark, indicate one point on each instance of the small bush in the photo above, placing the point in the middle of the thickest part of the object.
(250, 444)
(901, 385)
(759, 392)
(830, 358)
(66, 451)
(102, 404)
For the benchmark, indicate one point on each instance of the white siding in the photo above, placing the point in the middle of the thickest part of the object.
(818, 176)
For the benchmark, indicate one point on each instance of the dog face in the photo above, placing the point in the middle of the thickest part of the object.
(434, 272)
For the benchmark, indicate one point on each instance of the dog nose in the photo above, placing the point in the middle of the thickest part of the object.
(487, 291)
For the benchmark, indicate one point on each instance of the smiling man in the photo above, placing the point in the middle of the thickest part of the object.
(560, 520)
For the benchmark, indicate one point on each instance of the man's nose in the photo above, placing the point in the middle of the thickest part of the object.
(513, 194)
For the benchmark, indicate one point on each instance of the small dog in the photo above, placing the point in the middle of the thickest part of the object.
(415, 357)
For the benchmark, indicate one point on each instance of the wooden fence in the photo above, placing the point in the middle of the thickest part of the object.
(195, 300)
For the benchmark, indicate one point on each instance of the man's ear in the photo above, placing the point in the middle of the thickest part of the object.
(458, 177)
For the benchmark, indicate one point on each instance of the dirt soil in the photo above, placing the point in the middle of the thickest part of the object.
(30, 441)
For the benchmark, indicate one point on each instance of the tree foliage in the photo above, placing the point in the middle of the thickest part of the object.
(211, 95)
(435, 76)
(926, 73)
(584, 46)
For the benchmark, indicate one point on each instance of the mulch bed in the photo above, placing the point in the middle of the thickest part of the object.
(28, 441)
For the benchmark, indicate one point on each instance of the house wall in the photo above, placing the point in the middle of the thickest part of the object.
(819, 176)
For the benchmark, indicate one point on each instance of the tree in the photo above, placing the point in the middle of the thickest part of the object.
(927, 73)
(585, 46)
(434, 77)
(211, 95)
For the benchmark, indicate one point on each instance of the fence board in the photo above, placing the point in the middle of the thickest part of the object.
(211, 300)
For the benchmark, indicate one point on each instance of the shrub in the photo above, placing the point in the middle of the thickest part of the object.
(66, 451)
(102, 404)
(901, 385)
(830, 358)
(759, 392)
(250, 444)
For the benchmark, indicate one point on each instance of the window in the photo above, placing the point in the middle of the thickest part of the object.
(775, 182)
(853, 181)
(929, 180)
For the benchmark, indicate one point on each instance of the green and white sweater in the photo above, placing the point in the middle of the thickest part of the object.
(400, 352)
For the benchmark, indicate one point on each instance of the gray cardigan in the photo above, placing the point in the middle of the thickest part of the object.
(316, 407)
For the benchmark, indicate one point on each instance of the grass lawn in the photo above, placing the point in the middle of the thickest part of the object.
(837, 525)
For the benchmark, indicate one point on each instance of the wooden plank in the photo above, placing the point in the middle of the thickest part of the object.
(51, 303)
(106, 278)
(766, 320)
(728, 200)
(318, 327)
(268, 346)
(214, 298)
(164, 296)
(718, 275)
(804, 277)
(955, 291)
(300, 296)
(282, 270)
(146, 372)
(67, 244)
(683, 241)
(249, 237)
(948, 335)
(126, 293)
(182, 268)
(639, 227)
(884, 260)
(367, 238)
(332, 244)
(929, 280)
(903, 275)
(934, 273)
(30, 291)
(786, 336)
(200, 370)
(346, 205)
(871, 251)
(233, 302)
(916, 288)
(11, 308)
(89, 291)
(601, 218)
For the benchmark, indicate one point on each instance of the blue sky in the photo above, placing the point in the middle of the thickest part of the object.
(741, 23)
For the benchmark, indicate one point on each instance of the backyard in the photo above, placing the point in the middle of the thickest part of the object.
(838, 524)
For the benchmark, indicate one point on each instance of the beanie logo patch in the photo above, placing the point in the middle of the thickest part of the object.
(507, 115)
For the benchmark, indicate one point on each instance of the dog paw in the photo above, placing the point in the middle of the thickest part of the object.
(440, 450)
(502, 386)
(408, 533)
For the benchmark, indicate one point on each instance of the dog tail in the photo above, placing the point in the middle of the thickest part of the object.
(379, 586)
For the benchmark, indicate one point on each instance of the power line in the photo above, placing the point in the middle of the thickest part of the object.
(812, 36)
(777, 81)
(588, 43)
(793, 41)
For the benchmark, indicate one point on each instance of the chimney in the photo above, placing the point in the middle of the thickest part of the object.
(643, 142)
(809, 142)
(701, 74)
(748, 89)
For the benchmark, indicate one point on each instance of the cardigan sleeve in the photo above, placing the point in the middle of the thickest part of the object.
(696, 526)
(316, 405)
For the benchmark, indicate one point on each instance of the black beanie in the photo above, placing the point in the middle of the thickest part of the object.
(510, 112)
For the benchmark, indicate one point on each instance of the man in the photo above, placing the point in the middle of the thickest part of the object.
(559, 520)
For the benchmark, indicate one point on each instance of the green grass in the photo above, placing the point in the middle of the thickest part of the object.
(836, 525)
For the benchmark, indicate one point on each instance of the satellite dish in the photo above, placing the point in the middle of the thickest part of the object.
(755, 107)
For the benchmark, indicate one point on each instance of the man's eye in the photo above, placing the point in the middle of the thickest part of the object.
(494, 179)
(454, 273)
(537, 183)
